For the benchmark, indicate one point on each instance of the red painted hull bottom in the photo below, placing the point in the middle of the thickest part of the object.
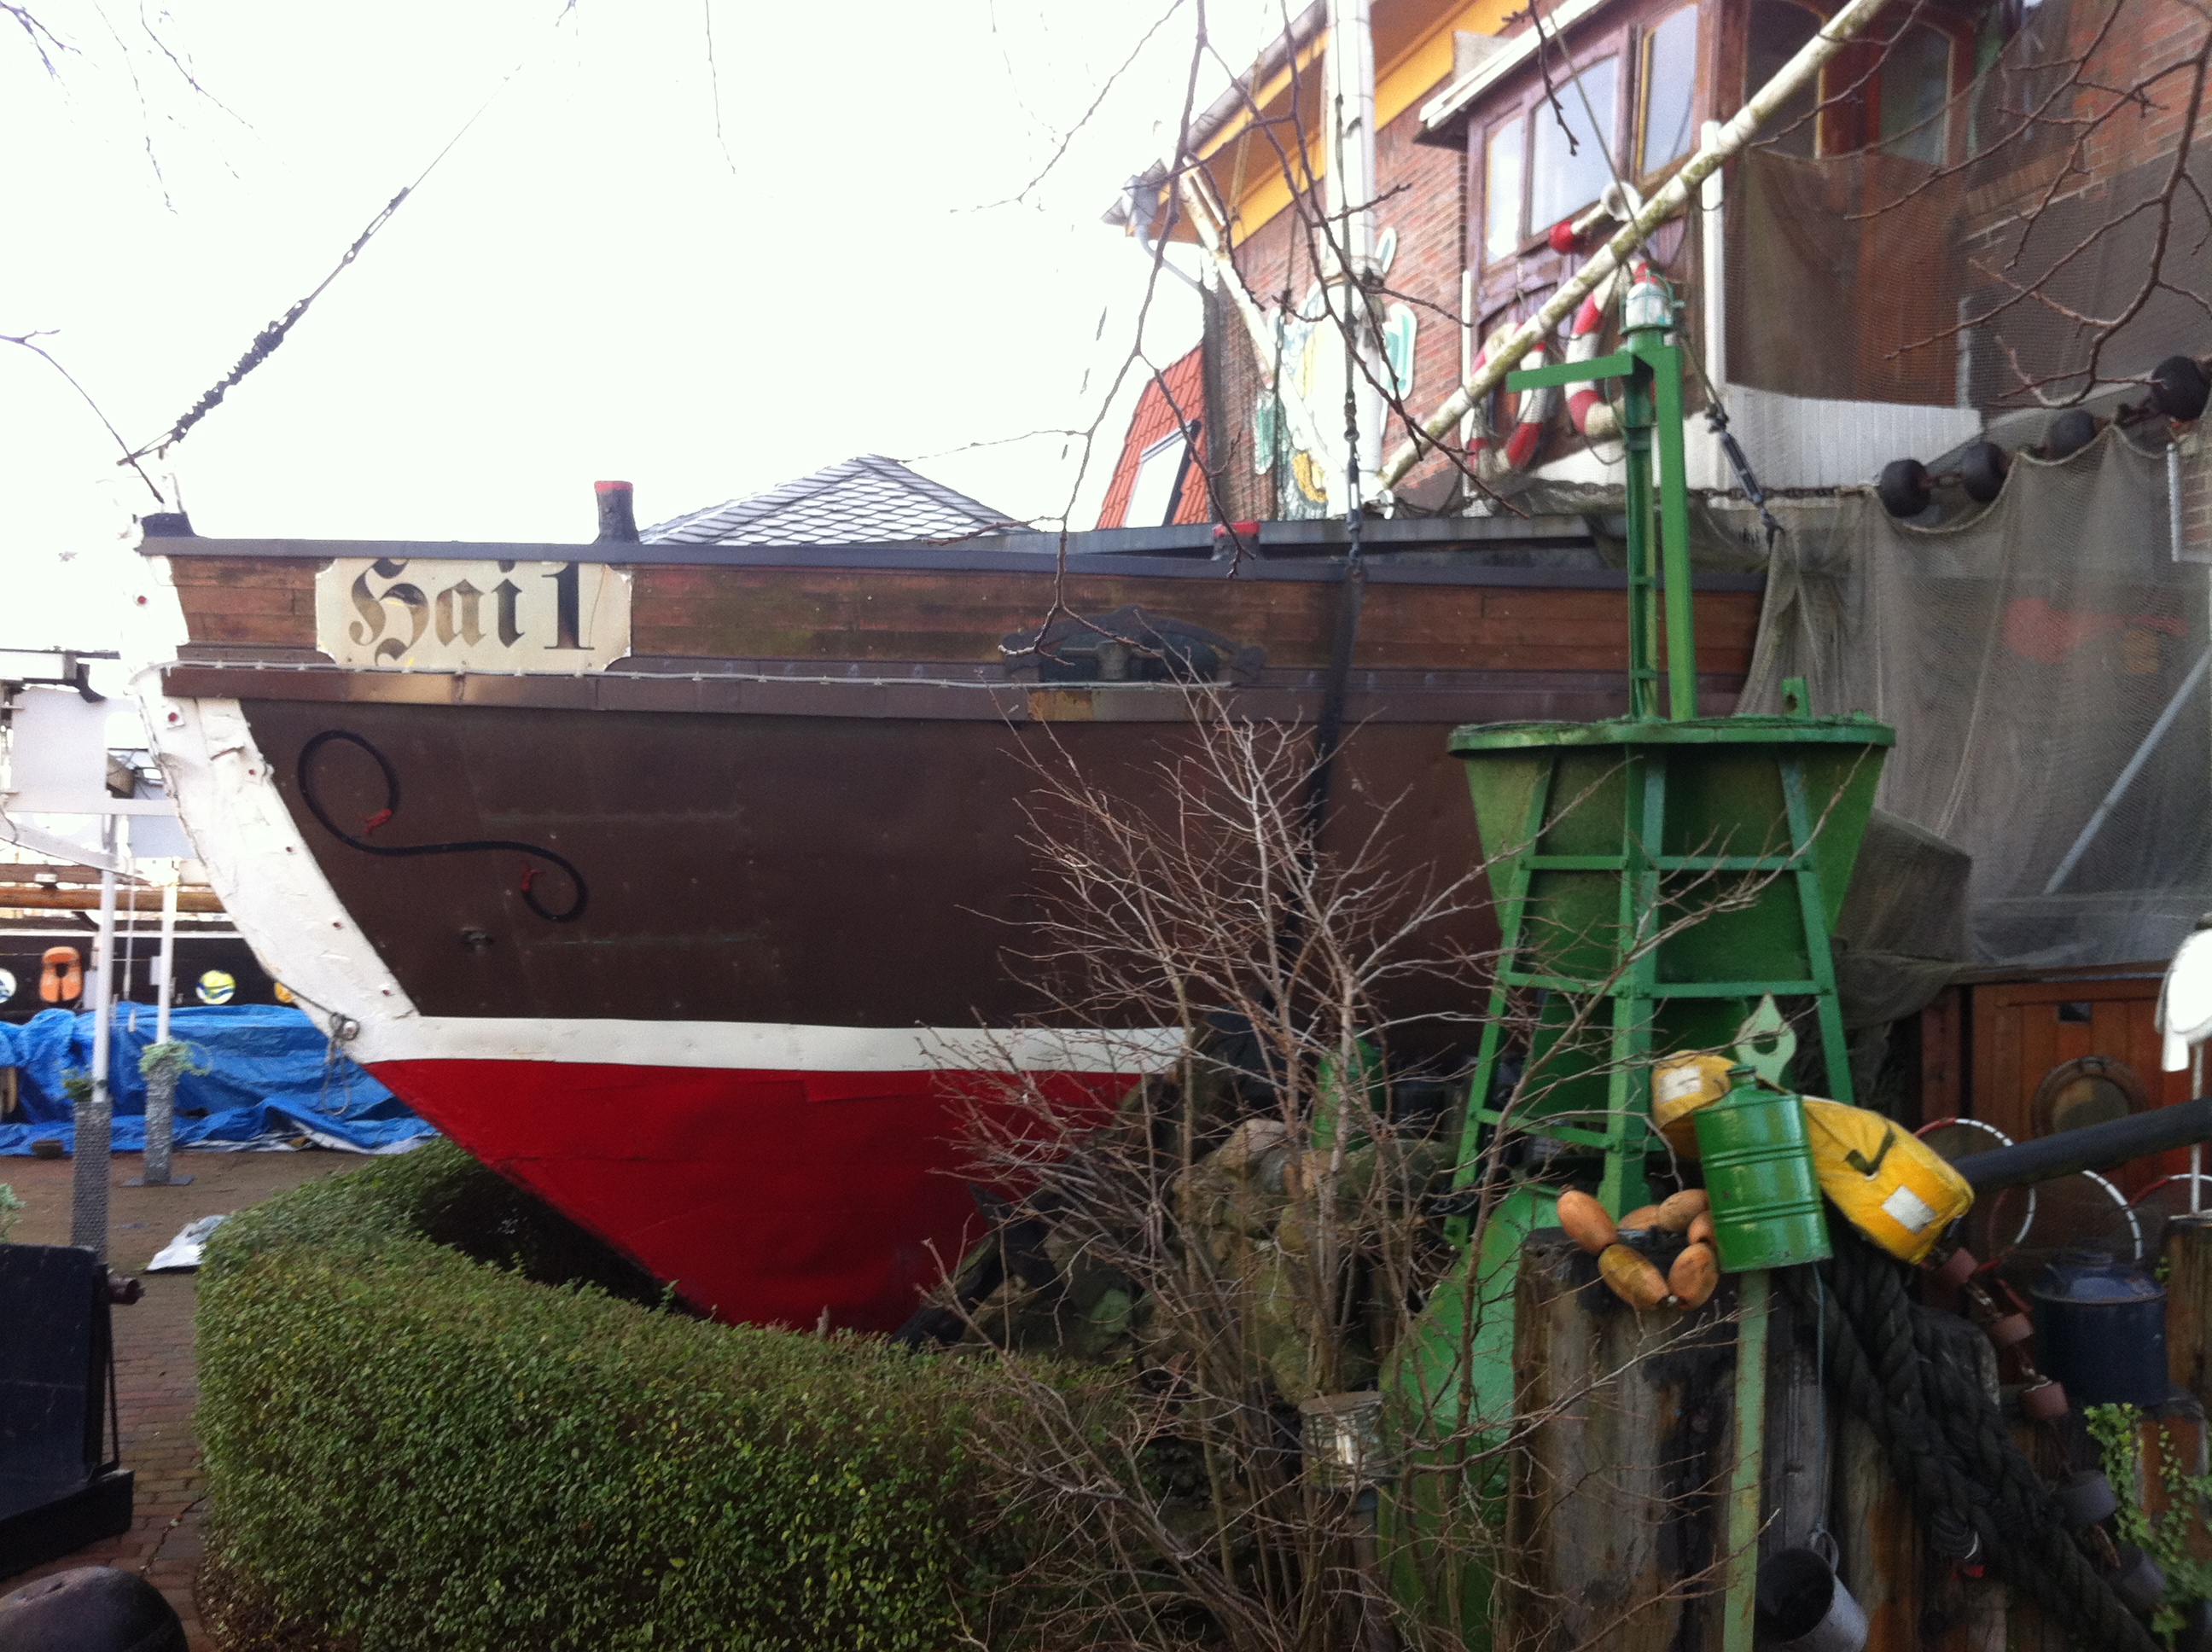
(765, 1196)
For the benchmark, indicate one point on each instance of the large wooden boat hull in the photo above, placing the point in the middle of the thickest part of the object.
(797, 835)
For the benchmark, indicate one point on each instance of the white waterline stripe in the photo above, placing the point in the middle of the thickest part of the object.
(768, 1046)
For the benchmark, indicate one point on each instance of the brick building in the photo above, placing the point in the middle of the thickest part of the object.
(1846, 282)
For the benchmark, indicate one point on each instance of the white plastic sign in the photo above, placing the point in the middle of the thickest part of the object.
(423, 615)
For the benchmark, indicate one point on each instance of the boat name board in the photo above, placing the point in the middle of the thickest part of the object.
(381, 613)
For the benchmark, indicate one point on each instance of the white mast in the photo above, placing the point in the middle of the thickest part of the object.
(95, 1112)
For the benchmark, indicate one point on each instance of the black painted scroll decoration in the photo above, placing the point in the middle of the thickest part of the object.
(575, 908)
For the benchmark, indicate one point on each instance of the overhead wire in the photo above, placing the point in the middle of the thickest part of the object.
(266, 341)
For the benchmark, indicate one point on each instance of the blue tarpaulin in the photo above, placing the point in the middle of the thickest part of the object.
(271, 1077)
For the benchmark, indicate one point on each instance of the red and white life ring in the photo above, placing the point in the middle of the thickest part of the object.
(1532, 411)
(1592, 415)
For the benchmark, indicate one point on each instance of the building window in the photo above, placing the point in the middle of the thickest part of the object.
(1778, 32)
(1664, 126)
(1916, 86)
(1501, 192)
(1568, 165)
(1157, 486)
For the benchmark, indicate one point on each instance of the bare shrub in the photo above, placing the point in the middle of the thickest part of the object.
(1262, 1237)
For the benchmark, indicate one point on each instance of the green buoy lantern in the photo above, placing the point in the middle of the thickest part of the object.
(1758, 1171)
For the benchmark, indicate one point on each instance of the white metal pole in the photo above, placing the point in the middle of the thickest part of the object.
(1713, 227)
(161, 1080)
(1713, 244)
(94, 1114)
(1349, 87)
(103, 975)
(166, 989)
(2196, 1148)
(2173, 531)
(1468, 321)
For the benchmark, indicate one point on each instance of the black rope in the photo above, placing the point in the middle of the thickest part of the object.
(1901, 1369)
(392, 807)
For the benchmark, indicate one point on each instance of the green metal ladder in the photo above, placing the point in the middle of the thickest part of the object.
(1651, 371)
(1637, 994)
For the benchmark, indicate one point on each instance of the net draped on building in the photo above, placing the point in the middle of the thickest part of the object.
(1871, 276)
(2043, 661)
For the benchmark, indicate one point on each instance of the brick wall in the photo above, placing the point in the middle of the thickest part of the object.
(1419, 190)
(2159, 36)
(2087, 194)
(1428, 212)
(1234, 385)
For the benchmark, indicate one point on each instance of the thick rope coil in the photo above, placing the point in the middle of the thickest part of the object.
(1901, 1369)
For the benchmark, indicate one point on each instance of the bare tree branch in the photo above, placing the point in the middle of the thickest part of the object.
(29, 342)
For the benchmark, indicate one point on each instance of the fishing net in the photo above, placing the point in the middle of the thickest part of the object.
(1901, 271)
(2043, 661)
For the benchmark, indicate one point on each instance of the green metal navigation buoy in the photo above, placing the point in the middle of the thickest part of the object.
(1607, 839)
(1665, 882)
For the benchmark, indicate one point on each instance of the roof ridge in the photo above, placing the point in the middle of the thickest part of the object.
(861, 520)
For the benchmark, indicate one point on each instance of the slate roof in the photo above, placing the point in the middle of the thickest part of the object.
(870, 499)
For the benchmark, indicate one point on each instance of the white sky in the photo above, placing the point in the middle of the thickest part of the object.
(586, 287)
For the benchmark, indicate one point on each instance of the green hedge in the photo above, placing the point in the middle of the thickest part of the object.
(414, 1448)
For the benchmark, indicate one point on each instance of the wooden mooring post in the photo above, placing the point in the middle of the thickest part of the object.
(1915, 1599)
(1618, 1494)
(1620, 1515)
(2188, 1256)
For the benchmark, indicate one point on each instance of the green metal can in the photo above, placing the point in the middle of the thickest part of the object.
(1758, 1171)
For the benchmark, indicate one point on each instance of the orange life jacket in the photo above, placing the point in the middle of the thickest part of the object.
(62, 980)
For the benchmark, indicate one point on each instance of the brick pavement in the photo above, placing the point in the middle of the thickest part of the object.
(156, 1379)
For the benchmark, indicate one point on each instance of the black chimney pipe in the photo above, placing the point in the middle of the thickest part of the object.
(2093, 1147)
(617, 516)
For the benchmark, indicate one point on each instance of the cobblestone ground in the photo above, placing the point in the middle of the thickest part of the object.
(156, 1379)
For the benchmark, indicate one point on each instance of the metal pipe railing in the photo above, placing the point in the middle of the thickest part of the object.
(2093, 1147)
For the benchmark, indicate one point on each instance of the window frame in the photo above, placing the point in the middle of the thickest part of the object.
(1617, 42)
(1481, 226)
(1184, 439)
(1540, 115)
(1646, 34)
(1958, 35)
(1853, 128)
(1823, 118)
(1624, 41)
